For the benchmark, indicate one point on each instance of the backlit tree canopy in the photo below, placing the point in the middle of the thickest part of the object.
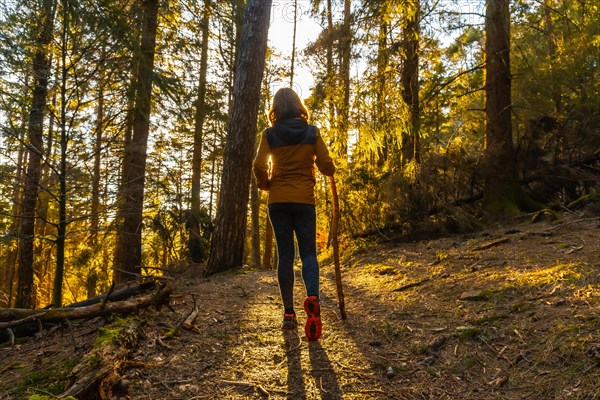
(115, 118)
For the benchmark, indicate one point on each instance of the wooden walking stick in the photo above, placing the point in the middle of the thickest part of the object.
(336, 248)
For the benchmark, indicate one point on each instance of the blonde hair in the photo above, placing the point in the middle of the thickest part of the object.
(287, 104)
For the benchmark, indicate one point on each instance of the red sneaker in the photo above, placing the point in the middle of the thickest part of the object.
(313, 321)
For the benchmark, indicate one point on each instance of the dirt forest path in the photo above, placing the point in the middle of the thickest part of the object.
(507, 313)
(240, 352)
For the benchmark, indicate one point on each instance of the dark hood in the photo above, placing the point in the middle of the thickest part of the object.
(291, 130)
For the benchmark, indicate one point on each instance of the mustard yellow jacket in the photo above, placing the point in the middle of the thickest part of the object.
(294, 147)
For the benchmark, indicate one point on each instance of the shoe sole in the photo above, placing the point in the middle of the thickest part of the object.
(313, 326)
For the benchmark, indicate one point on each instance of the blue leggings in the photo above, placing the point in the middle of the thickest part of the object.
(301, 219)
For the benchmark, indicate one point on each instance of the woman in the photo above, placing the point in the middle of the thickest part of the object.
(285, 166)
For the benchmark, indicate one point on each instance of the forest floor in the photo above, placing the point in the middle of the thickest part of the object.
(509, 312)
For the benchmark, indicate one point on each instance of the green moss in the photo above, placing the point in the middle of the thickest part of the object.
(526, 203)
(583, 200)
(508, 199)
(468, 332)
(113, 332)
(94, 360)
(388, 329)
(542, 214)
(44, 397)
(51, 379)
(171, 332)
(106, 336)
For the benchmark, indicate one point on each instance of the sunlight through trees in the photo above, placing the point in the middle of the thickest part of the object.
(127, 126)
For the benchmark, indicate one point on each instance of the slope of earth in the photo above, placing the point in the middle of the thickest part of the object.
(511, 312)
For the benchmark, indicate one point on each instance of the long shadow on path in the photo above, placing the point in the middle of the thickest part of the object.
(321, 370)
(295, 376)
(323, 373)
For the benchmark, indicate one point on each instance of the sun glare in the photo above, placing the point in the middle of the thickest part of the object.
(281, 37)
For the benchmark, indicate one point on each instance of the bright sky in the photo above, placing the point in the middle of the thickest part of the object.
(281, 37)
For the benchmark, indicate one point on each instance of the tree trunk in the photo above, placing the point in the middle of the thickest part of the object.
(62, 169)
(268, 253)
(501, 189)
(41, 69)
(381, 105)
(345, 74)
(135, 154)
(556, 94)
(128, 134)
(293, 61)
(10, 257)
(42, 251)
(227, 246)
(238, 15)
(98, 131)
(212, 182)
(410, 81)
(330, 79)
(255, 228)
(195, 245)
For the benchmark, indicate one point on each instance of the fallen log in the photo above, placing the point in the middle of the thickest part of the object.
(12, 314)
(99, 372)
(29, 320)
(117, 295)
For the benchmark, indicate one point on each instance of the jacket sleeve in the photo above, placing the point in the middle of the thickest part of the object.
(260, 167)
(323, 160)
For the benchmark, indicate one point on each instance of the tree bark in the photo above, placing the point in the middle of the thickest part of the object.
(61, 231)
(551, 36)
(410, 81)
(41, 69)
(501, 189)
(381, 105)
(268, 252)
(212, 183)
(128, 134)
(42, 251)
(98, 137)
(227, 246)
(346, 43)
(330, 79)
(99, 370)
(293, 61)
(135, 154)
(195, 245)
(255, 226)
(10, 257)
